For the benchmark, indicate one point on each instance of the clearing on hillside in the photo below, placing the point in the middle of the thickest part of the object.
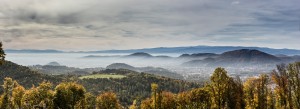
(95, 76)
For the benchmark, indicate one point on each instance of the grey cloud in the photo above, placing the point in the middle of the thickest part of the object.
(156, 20)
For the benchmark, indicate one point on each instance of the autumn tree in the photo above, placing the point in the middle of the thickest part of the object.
(159, 99)
(249, 91)
(6, 97)
(68, 94)
(17, 95)
(147, 104)
(134, 105)
(183, 100)
(168, 100)
(89, 101)
(41, 96)
(218, 87)
(2, 54)
(256, 92)
(235, 94)
(198, 99)
(294, 83)
(283, 89)
(107, 100)
(156, 96)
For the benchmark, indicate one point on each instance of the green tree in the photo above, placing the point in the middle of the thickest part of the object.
(2, 54)
(68, 94)
(107, 100)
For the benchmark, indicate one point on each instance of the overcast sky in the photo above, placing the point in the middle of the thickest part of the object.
(130, 24)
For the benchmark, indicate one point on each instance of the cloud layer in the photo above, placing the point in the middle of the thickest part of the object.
(124, 24)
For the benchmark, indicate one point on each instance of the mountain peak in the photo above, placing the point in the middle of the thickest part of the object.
(248, 56)
(140, 54)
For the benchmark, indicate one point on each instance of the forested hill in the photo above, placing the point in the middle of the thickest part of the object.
(24, 76)
(133, 85)
(128, 85)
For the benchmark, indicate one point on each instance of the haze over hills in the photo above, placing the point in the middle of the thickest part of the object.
(243, 57)
(179, 50)
(242, 62)
(151, 70)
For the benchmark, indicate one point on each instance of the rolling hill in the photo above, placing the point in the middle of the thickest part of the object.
(242, 57)
(150, 70)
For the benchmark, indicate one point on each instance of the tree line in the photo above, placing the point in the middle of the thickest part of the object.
(280, 90)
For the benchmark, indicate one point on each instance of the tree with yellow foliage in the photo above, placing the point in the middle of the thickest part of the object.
(199, 99)
(282, 89)
(41, 96)
(68, 94)
(107, 100)
(6, 98)
(256, 92)
(17, 95)
(294, 83)
(218, 88)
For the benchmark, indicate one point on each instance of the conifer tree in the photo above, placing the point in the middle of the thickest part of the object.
(2, 54)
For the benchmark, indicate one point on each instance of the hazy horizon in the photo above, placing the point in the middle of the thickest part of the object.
(149, 48)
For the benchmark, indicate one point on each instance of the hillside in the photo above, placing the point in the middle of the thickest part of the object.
(24, 75)
(59, 70)
(249, 56)
(242, 57)
(150, 70)
(135, 85)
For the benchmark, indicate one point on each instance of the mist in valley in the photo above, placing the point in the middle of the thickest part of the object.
(190, 66)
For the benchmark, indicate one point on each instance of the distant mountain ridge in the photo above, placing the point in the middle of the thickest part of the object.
(32, 51)
(203, 49)
(249, 56)
(242, 57)
(180, 50)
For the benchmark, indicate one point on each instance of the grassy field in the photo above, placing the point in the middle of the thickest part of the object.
(102, 76)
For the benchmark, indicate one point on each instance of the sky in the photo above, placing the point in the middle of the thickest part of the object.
(81, 25)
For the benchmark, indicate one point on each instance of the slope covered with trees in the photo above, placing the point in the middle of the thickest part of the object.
(24, 75)
(279, 90)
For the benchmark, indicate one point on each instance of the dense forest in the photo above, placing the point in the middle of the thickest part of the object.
(26, 89)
